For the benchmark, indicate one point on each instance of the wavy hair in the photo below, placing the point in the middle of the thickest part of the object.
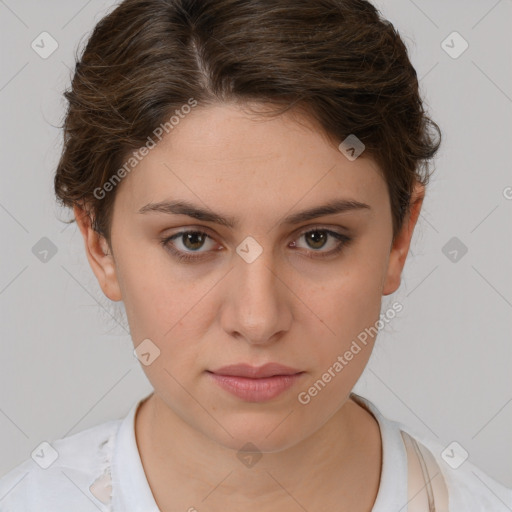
(339, 61)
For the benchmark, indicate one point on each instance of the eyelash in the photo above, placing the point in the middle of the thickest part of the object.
(181, 256)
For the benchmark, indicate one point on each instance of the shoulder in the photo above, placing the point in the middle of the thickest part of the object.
(59, 474)
(469, 488)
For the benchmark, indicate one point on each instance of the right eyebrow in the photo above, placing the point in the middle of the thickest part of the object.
(189, 209)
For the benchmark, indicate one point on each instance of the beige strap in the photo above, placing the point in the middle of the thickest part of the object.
(426, 488)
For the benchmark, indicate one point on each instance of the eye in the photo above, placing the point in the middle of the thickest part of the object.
(192, 241)
(318, 238)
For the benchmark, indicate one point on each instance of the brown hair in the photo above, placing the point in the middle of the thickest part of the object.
(337, 60)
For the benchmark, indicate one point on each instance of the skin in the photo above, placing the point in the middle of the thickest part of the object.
(285, 307)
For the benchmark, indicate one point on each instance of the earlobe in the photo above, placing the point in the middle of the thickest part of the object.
(402, 242)
(99, 255)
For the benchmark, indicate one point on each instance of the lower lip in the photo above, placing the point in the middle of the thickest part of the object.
(256, 390)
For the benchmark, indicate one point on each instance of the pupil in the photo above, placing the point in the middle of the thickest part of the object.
(190, 237)
(320, 238)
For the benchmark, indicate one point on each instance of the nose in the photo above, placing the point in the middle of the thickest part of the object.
(257, 307)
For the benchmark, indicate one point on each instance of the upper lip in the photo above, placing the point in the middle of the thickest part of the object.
(255, 372)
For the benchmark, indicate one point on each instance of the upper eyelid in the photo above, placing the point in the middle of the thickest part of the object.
(300, 231)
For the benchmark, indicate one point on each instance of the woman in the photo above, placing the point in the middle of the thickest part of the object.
(247, 176)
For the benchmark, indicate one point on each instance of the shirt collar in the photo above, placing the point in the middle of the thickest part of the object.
(392, 493)
(130, 488)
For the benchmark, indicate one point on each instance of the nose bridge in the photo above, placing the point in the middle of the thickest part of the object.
(256, 309)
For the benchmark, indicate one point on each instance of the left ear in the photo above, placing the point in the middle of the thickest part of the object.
(400, 247)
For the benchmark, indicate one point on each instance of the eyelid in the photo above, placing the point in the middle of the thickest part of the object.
(341, 230)
(343, 239)
(298, 232)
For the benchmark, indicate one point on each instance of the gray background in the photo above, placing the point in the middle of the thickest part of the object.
(442, 366)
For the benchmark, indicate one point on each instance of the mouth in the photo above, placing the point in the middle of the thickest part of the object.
(253, 384)
(255, 372)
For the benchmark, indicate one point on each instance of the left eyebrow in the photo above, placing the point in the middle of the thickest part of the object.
(199, 213)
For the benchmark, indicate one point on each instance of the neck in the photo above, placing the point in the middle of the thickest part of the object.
(340, 461)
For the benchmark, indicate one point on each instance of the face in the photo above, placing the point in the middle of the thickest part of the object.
(262, 285)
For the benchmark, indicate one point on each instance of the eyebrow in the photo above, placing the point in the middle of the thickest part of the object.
(185, 208)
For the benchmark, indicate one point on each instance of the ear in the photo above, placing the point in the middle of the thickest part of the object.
(99, 255)
(400, 247)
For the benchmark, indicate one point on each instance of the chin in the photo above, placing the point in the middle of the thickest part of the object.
(268, 433)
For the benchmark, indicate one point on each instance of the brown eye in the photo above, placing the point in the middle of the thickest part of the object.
(316, 239)
(186, 246)
(193, 240)
(188, 242)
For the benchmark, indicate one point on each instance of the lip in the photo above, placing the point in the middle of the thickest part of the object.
(256, 390)
(255, 372)
(255, 384)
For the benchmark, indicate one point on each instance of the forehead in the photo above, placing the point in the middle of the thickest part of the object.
(223, 153)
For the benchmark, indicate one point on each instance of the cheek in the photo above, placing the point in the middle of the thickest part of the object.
(165, 302)
(348, 309)
(148, 297)
(168, 311)
(157, 305)
(350, 299)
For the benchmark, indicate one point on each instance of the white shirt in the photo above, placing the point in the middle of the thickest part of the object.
(99, 469)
